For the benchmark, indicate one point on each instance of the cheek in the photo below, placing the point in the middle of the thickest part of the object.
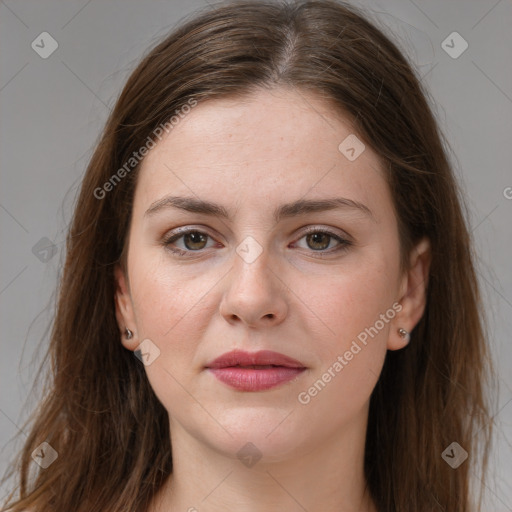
(351, 299)
(173, 308)
(169, 309)
(356, 309)
(163, 293)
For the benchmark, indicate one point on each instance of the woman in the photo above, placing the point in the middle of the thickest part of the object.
(271, 226)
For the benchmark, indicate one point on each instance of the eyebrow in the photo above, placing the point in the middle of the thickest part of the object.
(299, 207)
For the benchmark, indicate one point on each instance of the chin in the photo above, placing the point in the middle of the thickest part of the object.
(261, 430)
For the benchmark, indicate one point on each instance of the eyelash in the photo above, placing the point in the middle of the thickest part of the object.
(344, 244)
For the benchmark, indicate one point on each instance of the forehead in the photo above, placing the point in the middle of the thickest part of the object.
(261, 147)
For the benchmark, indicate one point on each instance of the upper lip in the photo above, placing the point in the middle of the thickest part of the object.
(261, 358)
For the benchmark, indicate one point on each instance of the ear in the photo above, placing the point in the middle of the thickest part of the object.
(124, 309)
(413, 294)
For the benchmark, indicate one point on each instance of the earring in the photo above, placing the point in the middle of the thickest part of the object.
(128, 334)
(404, 334)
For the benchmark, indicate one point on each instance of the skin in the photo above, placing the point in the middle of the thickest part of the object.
(251, 155)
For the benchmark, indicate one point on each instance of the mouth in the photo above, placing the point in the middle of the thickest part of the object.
(256, 371)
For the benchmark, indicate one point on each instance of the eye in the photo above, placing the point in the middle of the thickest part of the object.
(319, 240)
(193, 241)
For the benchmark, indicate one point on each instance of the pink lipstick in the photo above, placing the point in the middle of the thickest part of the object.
(254, 371)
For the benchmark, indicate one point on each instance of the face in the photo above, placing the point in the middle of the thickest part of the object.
(320, 285)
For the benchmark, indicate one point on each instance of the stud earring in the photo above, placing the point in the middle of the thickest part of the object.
(128, 334)
(404, 334)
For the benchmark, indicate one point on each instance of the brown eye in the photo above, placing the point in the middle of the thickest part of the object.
(195, 240)
(192, 241)
(318, 241)
(187, 242)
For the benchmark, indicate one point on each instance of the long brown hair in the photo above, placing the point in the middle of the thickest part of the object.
(99, 412)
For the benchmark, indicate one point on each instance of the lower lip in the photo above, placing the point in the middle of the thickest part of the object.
(250, 379)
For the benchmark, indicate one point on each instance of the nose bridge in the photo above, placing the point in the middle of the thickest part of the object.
(254, 291)
(251, 267)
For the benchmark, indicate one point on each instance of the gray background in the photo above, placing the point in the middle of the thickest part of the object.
(52, 111)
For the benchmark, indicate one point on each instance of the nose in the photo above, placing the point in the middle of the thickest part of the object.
(255, 295)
